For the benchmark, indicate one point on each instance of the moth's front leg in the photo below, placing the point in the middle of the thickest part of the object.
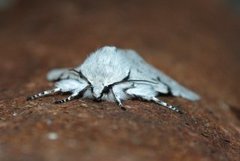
(75, 87)
(119, 94)
(44, 93)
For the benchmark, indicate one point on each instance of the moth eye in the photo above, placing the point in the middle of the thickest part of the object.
(106, 89)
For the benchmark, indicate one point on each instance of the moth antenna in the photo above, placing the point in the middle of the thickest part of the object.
(43, 94)
(164, 104)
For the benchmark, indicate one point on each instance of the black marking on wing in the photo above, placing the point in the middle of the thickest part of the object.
(168, 87)
(141, 81)
(124, 80)
(59, 78)
(61, 75)
(81, 75)
(81, 93)
(125, 90)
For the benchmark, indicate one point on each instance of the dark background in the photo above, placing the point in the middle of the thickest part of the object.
(197, 42)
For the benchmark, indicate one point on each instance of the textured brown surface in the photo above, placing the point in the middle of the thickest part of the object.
(195, 42)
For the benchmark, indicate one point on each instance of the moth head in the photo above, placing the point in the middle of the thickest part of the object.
(101, 87)
(98, 90)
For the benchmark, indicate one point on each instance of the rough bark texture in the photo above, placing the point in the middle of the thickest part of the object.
(195, 42)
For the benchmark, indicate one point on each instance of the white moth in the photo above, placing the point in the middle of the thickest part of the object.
(114, 74)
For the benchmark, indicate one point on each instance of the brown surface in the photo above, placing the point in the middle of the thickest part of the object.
(196, 42)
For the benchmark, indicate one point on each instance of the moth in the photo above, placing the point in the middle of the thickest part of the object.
(114, 74)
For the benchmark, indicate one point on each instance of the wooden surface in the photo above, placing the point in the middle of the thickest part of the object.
(195, 42)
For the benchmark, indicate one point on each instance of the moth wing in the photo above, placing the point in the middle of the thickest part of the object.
(57, 74)
(176, 89)
(141, 70)
(161, 88)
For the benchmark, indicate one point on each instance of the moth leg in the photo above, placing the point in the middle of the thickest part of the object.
(164, 104)
(118, 100)
(148, 93)
(44, 93)
(119, 93)
(69, 98)
(75, 87)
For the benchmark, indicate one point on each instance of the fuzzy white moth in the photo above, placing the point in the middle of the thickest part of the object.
(114, 74)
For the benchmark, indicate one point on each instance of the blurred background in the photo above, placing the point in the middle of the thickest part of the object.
(197, 42)
(188, 34)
